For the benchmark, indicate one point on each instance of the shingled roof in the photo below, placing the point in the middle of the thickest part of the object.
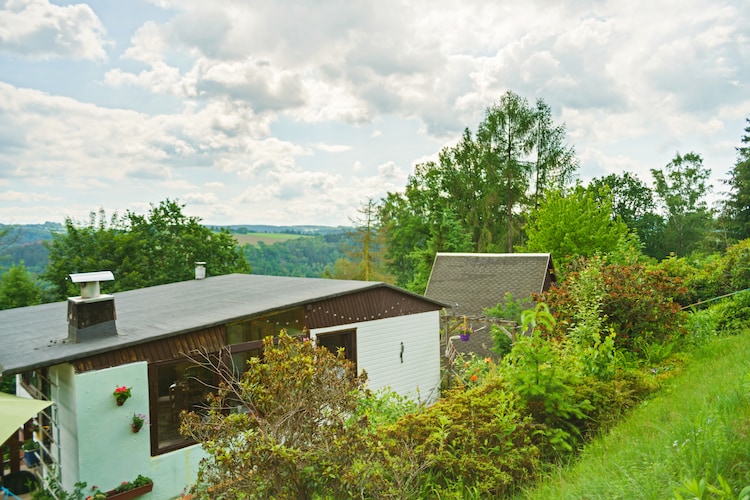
(472, 282)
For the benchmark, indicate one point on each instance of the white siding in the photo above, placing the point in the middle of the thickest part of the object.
(379, 353)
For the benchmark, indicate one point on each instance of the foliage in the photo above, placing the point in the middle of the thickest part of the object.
(141, 250)
(681, 187)
(471, 370)
(470, 199)
(363, 257)
(18, 288)
(302, 257)
(545, 380)
(382, 407)
(587, 338)
(736, 210)
(501, 342)
(696, 425)
(573, 225)
(733, 313)
(294, 435)
(510, 308)
(638, 303)
(478, 439)
(131, 485)
(632, 203)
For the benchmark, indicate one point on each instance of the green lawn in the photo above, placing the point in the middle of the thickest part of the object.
(696, 428)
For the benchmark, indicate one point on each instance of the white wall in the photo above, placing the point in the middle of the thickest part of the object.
(379, 347)
(101, 445)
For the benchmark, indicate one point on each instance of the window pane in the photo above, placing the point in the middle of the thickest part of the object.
(181, 386)
(292, 320)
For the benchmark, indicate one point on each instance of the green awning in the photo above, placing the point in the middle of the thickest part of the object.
(15, 411)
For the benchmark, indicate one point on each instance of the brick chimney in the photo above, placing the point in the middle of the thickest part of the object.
(92, 314)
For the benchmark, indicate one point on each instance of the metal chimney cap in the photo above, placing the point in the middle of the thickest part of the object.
(89, 277)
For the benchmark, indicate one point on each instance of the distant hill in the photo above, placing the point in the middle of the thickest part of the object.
(304, 230)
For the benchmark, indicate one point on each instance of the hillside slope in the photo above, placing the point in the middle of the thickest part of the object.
(696, 428)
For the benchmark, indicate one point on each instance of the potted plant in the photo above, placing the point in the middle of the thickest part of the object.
(121, 395)
(138, 420)
(464, 330)
(31, 452)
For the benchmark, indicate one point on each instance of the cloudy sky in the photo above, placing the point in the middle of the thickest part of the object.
(297, 112)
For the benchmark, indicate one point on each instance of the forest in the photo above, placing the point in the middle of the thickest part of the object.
(651, 295)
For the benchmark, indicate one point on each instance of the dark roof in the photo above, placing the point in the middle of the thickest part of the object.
(34, 336)
(472, 282)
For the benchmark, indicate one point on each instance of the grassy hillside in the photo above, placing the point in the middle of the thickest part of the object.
(267, 238)
(684, 442)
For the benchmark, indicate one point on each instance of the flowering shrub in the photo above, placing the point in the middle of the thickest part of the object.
(121, 394)
(471, 370)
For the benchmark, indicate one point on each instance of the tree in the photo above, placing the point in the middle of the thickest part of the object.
(574, 225)
(364, 257)
(507, 133)
(294, 436)
(633, 202)
(556, 162)
(160, 247)
(681, 187)
(736, 212)
(446, 236)
(18, 288)
(486, 181)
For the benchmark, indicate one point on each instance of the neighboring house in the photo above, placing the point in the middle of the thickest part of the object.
(139, 339)
(472, 282)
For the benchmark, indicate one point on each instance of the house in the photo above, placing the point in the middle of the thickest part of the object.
(139, 339)
(472, 282)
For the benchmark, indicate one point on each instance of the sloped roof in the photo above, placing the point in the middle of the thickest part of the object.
(472, 282)
(34, 336)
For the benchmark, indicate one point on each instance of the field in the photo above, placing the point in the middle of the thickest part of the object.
(266, 238)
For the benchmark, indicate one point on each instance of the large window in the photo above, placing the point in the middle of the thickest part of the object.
(245, 338)
(183, 385)
(175, 387)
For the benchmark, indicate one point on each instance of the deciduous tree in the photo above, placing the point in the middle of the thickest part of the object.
(18, 288)
(578, 224)
(141, 250)
(681, 187)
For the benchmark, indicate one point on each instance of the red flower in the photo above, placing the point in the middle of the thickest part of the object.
(474, 377)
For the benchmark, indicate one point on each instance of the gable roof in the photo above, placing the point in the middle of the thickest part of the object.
(472, 282)
(32, 337)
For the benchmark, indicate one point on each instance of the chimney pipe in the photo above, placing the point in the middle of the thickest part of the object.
(92, 314)
(200, 270)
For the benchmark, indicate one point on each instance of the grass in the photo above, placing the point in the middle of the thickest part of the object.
(696, 429)
(266, 238)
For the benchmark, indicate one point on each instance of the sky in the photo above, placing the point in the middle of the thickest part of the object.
(298, 112)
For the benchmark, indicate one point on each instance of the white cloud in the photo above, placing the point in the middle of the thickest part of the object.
(39, 29)
(291, 111)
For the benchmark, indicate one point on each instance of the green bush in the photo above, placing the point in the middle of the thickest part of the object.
(477, 440)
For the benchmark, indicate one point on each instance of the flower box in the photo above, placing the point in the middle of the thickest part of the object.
(134, 493)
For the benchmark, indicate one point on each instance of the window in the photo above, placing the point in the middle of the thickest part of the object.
(183, 385)
(175, 387)
(335, 340)
(245, 338)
